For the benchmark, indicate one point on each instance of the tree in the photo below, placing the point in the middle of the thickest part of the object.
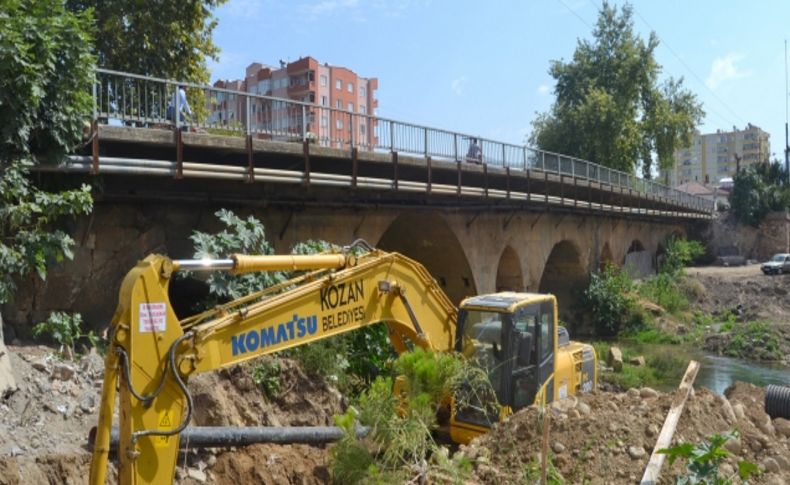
(610, 107)
(46, 71)
(757, 190)
(170, 39)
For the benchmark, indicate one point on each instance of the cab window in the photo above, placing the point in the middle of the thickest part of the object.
(546, 334)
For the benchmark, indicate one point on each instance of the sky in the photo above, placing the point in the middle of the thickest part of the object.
(481, 67)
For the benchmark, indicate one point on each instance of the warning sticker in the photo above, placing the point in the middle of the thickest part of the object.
(153, 317)
(165, 424)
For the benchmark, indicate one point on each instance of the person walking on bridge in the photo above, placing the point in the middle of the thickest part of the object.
(475, 153)
(180, 100)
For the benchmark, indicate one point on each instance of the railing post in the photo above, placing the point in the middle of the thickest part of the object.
(504, 156)
(425, 141)
(350, 128)
(304, 123)
(177, 108)
(392, 136)
(543, 161)
(573, 168)
(455, 146)
(524, 151)
(95, 99)
(247, 109)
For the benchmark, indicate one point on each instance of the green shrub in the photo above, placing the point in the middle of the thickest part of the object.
(609, 301)
(266, 375)
(65, 329)
(756, 340)
(703, 460)
(680, 253)
(400, 445)
(663, 290)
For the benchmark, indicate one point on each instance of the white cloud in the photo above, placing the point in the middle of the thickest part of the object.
(457, 86)
(544, 89)
(725, 69)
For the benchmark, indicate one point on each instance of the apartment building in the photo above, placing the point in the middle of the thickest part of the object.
(714, 156)
(344, 103)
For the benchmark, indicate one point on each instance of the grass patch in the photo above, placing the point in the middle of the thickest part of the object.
(662, 370)
(754, 340)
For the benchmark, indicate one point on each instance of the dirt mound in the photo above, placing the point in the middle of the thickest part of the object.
(608, 438)
(44, 425)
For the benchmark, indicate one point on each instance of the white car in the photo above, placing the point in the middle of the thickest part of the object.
(778, 264)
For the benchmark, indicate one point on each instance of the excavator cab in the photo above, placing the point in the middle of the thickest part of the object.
(514, 338)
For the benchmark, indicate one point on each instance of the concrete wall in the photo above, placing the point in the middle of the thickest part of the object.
(467, 252)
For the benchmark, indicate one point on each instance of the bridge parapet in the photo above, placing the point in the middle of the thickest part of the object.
(132, 100)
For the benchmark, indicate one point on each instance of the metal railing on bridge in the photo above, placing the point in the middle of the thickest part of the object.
(135, 100)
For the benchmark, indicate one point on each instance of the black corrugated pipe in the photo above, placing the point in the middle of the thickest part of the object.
(225, 436)
(777, 401)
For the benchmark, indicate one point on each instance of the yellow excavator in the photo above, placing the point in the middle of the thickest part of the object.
(514, 337)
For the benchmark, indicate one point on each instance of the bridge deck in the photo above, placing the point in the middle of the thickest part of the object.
(219, 167)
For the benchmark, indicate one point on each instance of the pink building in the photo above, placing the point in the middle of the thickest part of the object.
(336, 91)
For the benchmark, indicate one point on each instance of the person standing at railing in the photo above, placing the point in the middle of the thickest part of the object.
(475, 153)
(180, 100)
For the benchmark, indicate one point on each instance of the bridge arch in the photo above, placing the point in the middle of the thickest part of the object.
(638, 261)
(565, 277)
(509, 276)
(428, 239)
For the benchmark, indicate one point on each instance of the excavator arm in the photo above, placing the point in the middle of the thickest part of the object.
(152, 353)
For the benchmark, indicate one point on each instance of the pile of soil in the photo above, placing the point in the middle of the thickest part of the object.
(747, 294)
(44, 425)
(608, 437)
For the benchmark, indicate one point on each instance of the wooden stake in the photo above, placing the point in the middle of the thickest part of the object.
(670, 423)
(544, 449)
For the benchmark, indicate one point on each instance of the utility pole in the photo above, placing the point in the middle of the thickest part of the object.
(787, 145)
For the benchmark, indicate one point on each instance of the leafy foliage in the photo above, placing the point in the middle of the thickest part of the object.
(171, 39)
(610, 301)
(759, 189)
(400, 446)
(703, 460)
(266, 374)
(65, 329)
(244, 236)
(680, 253)
(757, 340)
(609, 106)
(46, 71)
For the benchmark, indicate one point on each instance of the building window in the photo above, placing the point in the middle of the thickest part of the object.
(362, 91)
(338, 84)
(323, 80)
(362, 128)
(351, 106)
(339, 104)
(363, 109)
(350, 88)
(339, 124)
(324, 121)
(324, 101)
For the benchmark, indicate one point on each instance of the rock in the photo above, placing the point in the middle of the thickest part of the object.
(637, 361)
(651, 430)
(726, 409)
(770, 465)
(39, 364)
(766, 426)
(681, 330)
(636, 452)
(632, 393)
(615, 359)
(783, 462)
(574, 414)
(211, 461)
(726, 470)
(63, 372)
(733, 445)
(583, 408)
(88, 404)
(565, 405)
(737, 408)
(92, 364)
(612, 405)
(197, 475)
(558, 447)
(647, 393)
(782, 426)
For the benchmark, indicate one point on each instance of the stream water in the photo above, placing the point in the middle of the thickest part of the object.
(716, 372)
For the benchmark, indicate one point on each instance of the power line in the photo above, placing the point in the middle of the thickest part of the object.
(694, 74)
(574, 12)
